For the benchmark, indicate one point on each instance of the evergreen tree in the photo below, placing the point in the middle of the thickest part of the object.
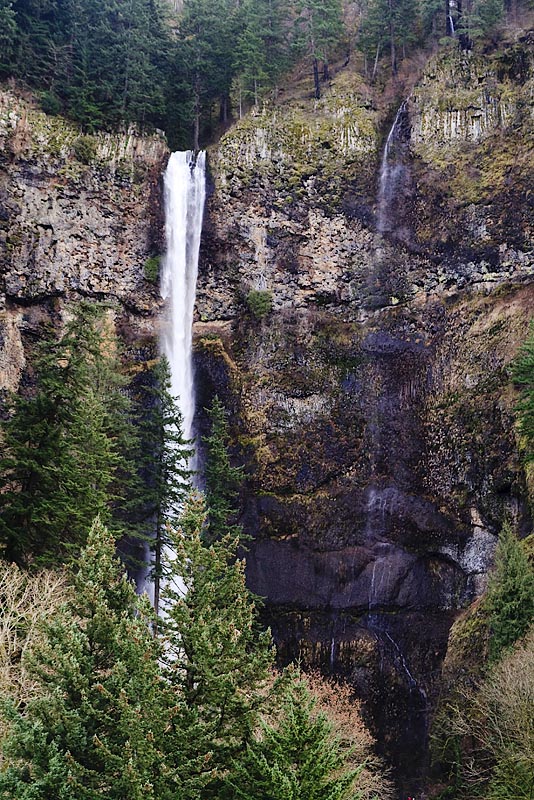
(97, 726)
(320, 28)
(208, 30)
(66, 446)
(222, 480)
(388, 24)
(262, 53)
(217, 660)
(163, 458)
(298, 757)
(510, 596)
(476, 18)
(523, 376)
(8, 32)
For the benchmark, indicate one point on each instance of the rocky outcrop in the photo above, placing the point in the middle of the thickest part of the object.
(79, 216)
(369, 391)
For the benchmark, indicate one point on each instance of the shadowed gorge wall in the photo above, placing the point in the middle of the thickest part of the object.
(370, 399)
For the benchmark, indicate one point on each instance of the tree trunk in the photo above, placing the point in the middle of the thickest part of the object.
(196, 121)
(316, 79)
(326, 74)
(157, 566)
(392, 40)
(223, 109)
(375, 65)
(196, 130)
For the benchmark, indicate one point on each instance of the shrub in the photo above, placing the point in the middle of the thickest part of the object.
(259, 302)
(50, 103)
(152, 265)
(510, 596)
(85, 149)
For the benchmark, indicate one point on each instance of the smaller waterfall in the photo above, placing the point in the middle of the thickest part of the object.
(185, 192)
(451, 25)
(391, 174)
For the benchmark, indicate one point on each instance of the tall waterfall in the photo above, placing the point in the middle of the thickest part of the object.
(185, 192)
(392, 173)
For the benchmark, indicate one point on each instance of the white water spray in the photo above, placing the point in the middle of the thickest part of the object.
(390, 175)
(185, 193)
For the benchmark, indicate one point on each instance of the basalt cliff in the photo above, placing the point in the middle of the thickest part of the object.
(366, 278)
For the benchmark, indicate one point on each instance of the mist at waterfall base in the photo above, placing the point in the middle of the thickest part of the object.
(184, 195)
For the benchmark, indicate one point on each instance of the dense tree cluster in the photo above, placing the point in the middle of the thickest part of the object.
(76, 446)
(484, 735)
(111, 62)
(523, 377)
(100, 696)
(122, 709)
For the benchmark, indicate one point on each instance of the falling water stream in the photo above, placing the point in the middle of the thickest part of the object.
(396, 664)
(185, 192)
(391, 173)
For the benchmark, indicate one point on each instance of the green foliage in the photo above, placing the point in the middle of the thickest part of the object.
(51, 104)
(85, 149)
(67, 446)
(510, 595)
(163, 459)
(478, 18)
(217, 659)
(95, 728)
(262, 53)
(390, 24)
(523, 376)
(493, 721)
(151, 269)
(260, 302)
(222, 480)
(101, 60)
(8, 33)
(319, 26)
(296, 757)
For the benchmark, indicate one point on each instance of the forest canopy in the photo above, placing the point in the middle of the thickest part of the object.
(106, 63)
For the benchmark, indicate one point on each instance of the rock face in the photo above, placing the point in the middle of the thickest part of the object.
(356, 313)
(79, 216)
(369, 390)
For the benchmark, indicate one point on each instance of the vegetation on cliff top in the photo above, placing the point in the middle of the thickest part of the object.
(105, 63)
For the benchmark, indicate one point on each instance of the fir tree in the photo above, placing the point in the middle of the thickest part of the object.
(523, 376)
(217, 659)
(96, 728)
(510, 596)
(8, 32)
(262, 53)
(163, 460)
(320, 27)
(66, 446)
(390, 24)
(298, 757)
(222, 480)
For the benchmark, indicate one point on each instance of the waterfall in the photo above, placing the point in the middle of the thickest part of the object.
(185, 192)
(391, 174)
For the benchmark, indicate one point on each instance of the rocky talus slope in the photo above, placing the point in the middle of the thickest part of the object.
(370, 397)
